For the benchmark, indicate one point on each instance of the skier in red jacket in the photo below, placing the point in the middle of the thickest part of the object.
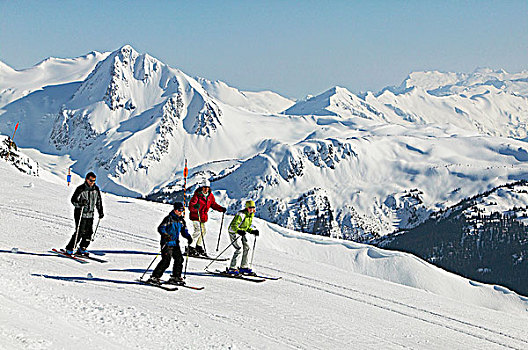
(199, 205)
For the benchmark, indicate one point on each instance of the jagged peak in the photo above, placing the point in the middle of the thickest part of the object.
(124, 54)
(327, 94)
(127, 48)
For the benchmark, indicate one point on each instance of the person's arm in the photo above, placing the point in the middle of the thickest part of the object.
(99, 203)
(193, 202)
(75, 196)
(235, 223)
(163, 227)
(185, 232)
(215, 205)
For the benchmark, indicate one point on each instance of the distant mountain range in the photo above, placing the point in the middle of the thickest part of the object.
(338, 163)
(483, 237)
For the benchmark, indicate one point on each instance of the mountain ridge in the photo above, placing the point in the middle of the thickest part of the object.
(134, 120)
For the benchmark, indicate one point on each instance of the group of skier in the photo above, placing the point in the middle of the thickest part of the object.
(87, 198)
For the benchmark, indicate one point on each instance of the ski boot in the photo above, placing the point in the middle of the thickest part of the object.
(67, 251)
(230, 271)
(246, 271)
(201, 252)
(81, 252)
(154, 280)
(176, 280)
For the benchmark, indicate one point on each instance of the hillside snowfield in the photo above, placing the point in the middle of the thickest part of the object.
(332, 295)
(258, 102)
(15, 84)
(336, 164)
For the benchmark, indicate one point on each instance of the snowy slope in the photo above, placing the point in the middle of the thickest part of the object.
(15, 84)
(336, 101)
(352, 295)
(258, 102)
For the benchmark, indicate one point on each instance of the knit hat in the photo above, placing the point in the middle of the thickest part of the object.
(250, 204)
(205, 183)
(179, 206)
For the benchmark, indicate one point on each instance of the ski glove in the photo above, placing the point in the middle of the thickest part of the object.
(241, 232)
(101, 216)
(167, 237)
(255, 232)
(196, 206)
(223, 210)
(189, 240)
(83, 202)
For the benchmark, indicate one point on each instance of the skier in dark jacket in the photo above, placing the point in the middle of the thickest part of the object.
(199, 205)
(86, 198)
(170, 229)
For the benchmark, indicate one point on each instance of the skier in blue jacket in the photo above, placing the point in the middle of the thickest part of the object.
(170, 229)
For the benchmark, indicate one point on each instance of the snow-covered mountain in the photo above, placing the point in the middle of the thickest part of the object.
(483, 237)
(15, 84)
(336, 101)
(390, 299)
(258, 102)
(336, 164)
(485, 101)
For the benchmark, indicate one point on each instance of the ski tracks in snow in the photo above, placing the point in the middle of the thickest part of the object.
(434, 318)
(61, 222)
(117, 317)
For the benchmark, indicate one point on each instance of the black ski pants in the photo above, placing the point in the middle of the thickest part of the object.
(166, 254)
(85, 232)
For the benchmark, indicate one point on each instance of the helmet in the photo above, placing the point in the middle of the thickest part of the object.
(250, 204)
(205, 183)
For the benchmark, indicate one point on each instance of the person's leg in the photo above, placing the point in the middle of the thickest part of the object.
(178, 262)
(164, 263)
(245, 252)
(201, 237)
(86, 233)
(72, 243)
(233, 237)
(196, 233)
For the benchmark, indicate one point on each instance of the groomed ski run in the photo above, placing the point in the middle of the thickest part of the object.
(355, 296)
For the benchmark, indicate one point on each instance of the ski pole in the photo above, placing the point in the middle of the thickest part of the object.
(96, 227)
(253, 252)
(152, 261)
(221, 224)
(233, 242)
(77, 230)
(186, 261)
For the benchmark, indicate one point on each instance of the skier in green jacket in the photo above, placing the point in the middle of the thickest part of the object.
(241, 224)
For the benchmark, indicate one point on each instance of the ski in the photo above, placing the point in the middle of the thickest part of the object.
(206, 257)
(184, 285)
(240, 277)
(91, 258)
(169, 289)
(66, 255)
(267, 277)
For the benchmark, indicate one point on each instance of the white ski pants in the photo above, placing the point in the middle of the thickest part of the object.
(197, 235)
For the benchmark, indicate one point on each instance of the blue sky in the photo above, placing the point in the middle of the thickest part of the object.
(291, 47)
